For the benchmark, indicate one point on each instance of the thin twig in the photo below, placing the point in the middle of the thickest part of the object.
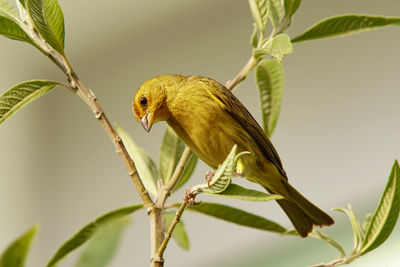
(171, 229)
(166, 190)
(242, 74)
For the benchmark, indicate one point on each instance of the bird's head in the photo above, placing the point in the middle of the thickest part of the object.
(149, 104)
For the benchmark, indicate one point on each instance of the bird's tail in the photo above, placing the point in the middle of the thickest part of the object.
(302, 213)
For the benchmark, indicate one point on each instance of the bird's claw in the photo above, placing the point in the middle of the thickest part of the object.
(209, 176)
(189, 198)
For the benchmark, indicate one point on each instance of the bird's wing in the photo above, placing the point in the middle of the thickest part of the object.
(239, 113)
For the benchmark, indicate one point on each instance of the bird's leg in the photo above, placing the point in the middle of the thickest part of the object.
(209, 176)
(189, 198)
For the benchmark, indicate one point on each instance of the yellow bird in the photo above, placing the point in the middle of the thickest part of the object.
(210, 120)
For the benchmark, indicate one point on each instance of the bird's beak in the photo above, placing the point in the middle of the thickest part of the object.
(147, 121)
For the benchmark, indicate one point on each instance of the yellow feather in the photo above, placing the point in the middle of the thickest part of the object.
(210, 120)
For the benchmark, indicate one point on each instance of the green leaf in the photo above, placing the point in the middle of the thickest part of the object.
(276, 13)
(179, 233)
(102, 247)
(358, 234)
(367, 222)
(9, 28)
(324, 237)
(222, 176)
(259, 53)
(89, 230)
(270, 80)
(254, 36)
(385, 217)
(15, 254)
(145, 166)
(49, 21)
(259, 10)
(291, 7)
(237, 216)
(321, 236)
(344, 25)
(278, 46)
(10, 23)
(187, 171)
(171, 150)
(238, 192)
(21, 94)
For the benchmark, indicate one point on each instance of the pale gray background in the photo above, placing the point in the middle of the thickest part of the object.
(338, 133)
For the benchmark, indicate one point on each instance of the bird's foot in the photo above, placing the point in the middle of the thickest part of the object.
(209, 176)
(189, 198)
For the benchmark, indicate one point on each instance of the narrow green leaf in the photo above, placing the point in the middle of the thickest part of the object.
(16, 253)
(291, 7)
(49, 21)
(145, 166)
(358, 234)
(171, 150)
(367, 222)
(238, 192)
(270, 80)
(254, 36)
(324, 237)
(21, 94)
(385, 217)
(9, 28)
(321, 236)
(276, 13)
(222, 176)
(179, 234)
(237, 216)
(187, 172)
(344, 25)
(103, 246)
(89, 230)
(259, 10)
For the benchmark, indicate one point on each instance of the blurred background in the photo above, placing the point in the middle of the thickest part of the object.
(337, 135)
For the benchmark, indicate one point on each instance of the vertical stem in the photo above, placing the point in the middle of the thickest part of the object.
(156, 235)
(157, 213)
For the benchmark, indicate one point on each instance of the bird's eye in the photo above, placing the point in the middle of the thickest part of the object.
(143, 101)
